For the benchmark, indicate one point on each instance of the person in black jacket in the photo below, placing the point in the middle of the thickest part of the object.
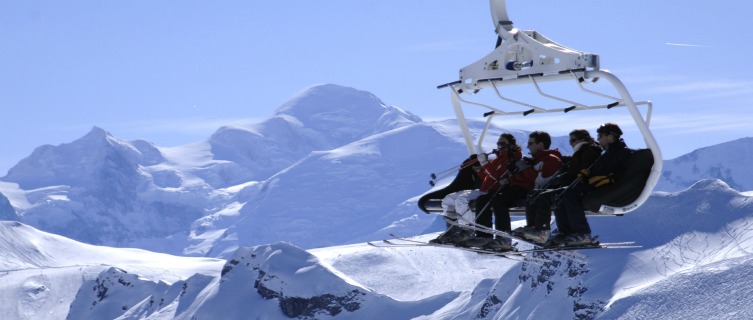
(539, 205)
(608, 167)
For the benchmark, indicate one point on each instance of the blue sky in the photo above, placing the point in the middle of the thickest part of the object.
(172, 72)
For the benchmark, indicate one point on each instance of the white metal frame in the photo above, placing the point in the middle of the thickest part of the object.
(527, 57)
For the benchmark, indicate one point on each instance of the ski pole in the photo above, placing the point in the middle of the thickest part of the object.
(506, 174)
(536, 193)
(445, 173)
(558, 198)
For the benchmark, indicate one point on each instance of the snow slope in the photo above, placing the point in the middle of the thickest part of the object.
(41, 273)
(44, 276)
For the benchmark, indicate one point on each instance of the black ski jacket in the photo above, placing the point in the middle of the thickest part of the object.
(611, 165)
(581, 159)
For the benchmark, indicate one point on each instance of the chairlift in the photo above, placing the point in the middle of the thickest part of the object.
(526, 57)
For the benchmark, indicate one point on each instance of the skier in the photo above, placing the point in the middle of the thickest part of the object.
(493, 174)
(455, 205)
(529, 172)
(571, 215)
(539, 205)
(466, 179)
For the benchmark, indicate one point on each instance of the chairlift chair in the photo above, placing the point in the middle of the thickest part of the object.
(525, 57)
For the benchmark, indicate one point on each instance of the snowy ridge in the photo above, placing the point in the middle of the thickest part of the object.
(49, 277)
(729, 161)
(92, 154)
(280, 279)
(41, 273)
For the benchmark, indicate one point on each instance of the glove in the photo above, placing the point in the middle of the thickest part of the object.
(522, 164)
(483, 159)
(540, 181)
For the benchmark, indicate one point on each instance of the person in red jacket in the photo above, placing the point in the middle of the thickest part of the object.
(529, 172)
(487, 173)
(539, 203)
(493, 174)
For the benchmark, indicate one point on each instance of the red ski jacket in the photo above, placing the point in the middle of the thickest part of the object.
(545, 162)
(493, 170)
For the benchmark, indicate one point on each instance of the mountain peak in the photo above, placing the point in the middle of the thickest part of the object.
(329, 107)
(96, 132)
(323, 117)
(73, 163)
(710, 184)
(327, 96)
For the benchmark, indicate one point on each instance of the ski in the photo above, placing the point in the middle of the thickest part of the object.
(595, 244)
(508, 255)
(543, 247)
(479, 250)
(474, 226)
(513, 255)
(388, 244)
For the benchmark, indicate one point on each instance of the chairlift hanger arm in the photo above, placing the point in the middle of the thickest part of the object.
(499, 16)
(521, 53)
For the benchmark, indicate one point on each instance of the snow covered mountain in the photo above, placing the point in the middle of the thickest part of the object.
(41, 274)
(334, 165)
(45, 276)
(323, 117)
(315, 175)
(102, 190)
(693, 263)
(727, 161)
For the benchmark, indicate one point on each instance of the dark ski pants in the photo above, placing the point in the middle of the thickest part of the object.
(539, 209)
(570, 214)
(500, 204)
